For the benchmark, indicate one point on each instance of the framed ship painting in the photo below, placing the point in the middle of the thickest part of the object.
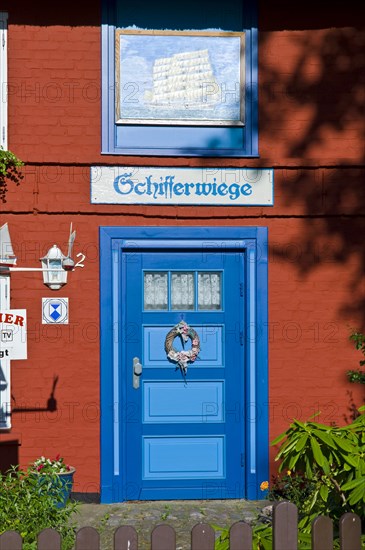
(180, 78)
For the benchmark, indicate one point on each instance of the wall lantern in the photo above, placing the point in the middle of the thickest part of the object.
(55, 265)
(54, 276)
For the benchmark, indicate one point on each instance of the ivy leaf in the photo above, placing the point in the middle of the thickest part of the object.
(308, 469)
(266, 544)
(358, 494)
(353, 461)
(293, 461)
(325, 437)
(317, 453)
(300, 424)
(344, 444)
(324, 492)
(352, 484)
(301, 442)
(326, 466)
(314, 499)
(278, 438)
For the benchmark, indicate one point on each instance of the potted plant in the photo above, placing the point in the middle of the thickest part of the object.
(57, 476)
(28, 507)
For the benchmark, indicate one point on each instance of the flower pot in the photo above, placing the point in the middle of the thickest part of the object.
(58, 483)
(66, 480)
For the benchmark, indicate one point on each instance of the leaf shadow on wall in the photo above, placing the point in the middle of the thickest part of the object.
(325, 192)
(332, 198)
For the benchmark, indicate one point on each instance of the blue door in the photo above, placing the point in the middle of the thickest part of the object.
(182, 437)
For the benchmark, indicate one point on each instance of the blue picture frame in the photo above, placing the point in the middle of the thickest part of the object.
(172, 140)
(180, 78)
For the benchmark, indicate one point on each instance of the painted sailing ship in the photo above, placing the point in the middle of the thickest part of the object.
(184, 80)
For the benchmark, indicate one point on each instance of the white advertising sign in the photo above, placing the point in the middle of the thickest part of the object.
(205, 186)
(13, 334)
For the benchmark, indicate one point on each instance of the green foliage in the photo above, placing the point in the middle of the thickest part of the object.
(261, 537)
(332, 460)
(103, 523)
(9, 170)
(322, 471)
(358, 338)
(359, 341)
(294, 487)
(166, 513)
(28, 507)
(356, 376)
(222, 542)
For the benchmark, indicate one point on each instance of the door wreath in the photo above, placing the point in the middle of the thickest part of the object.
(182, 358)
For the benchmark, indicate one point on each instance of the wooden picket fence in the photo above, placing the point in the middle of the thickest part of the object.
(163, 537)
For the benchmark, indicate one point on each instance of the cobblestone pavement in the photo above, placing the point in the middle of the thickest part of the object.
(181, 515)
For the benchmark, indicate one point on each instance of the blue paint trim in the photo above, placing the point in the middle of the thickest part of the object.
(262, 375)
(104, 89)
(125, 139)
(116, 402)
(254, 93)
(252, 355)
(169, 281)
(193, 243)
(106, 380)
(249, 238)
(107, 31)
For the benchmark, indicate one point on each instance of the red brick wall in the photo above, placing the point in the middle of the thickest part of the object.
(311, 132)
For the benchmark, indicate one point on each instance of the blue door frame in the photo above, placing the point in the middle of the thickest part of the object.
(115, 413)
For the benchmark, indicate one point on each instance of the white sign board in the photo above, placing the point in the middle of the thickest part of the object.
(206, 186)
(13, 334)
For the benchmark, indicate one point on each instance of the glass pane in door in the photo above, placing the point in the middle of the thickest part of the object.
(182, 290)
(209, 290)
(155, 290)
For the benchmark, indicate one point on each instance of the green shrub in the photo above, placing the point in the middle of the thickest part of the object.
(294, 487)
(322, 471)
(28, 506)
(332, 461)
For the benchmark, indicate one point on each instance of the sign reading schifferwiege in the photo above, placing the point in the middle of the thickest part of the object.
(205, 186)
(13, 334)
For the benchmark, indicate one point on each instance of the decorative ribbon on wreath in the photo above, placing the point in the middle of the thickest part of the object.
(182, 358)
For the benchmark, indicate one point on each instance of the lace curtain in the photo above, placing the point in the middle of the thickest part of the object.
(182, 292)
(209, 291)
(155, 291)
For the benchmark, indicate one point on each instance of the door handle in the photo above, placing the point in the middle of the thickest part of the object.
(137, 371)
